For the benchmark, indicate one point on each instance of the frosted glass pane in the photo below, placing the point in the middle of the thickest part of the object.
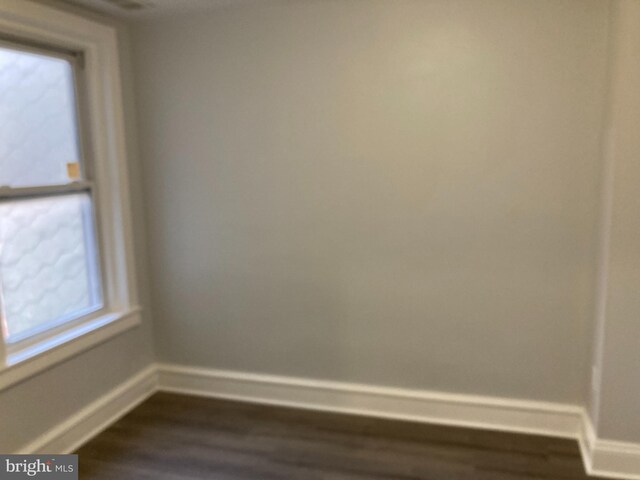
(48, 269)
(37, 119)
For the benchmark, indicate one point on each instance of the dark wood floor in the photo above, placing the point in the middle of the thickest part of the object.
(171, 437)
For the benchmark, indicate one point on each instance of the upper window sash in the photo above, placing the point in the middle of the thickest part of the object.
(42, 142)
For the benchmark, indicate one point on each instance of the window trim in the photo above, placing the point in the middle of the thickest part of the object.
(36, 26)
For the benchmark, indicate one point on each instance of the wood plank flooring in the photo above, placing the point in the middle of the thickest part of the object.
(172, 437)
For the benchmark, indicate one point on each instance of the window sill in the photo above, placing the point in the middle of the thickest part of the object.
(39, 357)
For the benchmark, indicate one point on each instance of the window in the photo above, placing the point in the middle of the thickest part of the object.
(49, 269)
(67, 277)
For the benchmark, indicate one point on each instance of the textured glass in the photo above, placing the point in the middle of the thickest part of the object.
(37, 119)
(48, 268)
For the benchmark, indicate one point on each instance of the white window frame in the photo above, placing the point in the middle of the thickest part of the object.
(103, 127)
(38, 334)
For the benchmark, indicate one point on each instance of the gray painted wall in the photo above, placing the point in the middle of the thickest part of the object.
(616, 399)
(38, 404)
(399, 193)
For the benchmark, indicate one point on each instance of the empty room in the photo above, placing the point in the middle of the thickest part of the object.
(320, 239)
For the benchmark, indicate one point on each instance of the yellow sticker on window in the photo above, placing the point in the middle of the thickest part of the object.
(73, 170)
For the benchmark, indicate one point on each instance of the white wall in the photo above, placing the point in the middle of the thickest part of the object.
(615, 403)
(399, 193)
(33, 407)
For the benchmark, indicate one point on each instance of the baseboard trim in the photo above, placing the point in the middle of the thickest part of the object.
(491, 413)
(69, 435)
(607, 458)
(602, 458)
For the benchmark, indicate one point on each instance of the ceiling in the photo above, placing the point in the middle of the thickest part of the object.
(133, 9)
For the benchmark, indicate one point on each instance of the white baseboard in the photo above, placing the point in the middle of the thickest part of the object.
(607, 458)
(615, 460)
(602, 458)
(95, 417)
(394, 403)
